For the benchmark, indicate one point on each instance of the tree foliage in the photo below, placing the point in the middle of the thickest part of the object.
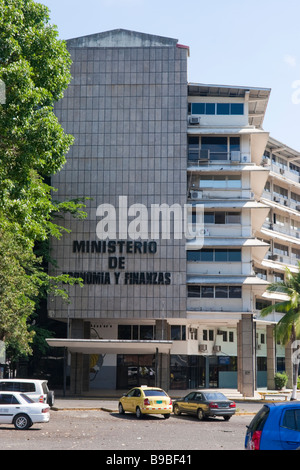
(288, 328)
(35, 68)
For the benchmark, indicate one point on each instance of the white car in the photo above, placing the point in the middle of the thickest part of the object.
(18, 409)
(37, 390)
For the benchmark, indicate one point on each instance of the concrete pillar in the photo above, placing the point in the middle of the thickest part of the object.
(271, 357)
(79, 372)
(162, 332)
(246, 356)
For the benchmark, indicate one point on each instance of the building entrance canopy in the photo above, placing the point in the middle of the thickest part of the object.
(111, 346)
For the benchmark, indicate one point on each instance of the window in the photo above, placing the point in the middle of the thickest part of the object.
(208, 335)
(220, 182)
(217, 147)
(222, 218)
(281, 249)
(136, 332)
(218, 292)
(178, 332)
(291, 420)
(218, 108)
(8, 400)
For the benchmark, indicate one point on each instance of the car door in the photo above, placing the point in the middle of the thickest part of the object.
(188, 403)
(290, 429)
(9, 406)
(128, 399)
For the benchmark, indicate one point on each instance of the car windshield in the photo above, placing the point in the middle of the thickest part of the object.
(215, 396)
(155, 393)
(26, 398)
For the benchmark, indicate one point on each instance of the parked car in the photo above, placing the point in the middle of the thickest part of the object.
(276, 426)
(204, 404)
(146, 400)
(21, 411)
(37, 390)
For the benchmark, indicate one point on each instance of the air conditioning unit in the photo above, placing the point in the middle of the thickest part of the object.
(194, 120)
(276, 199)
(273, 257)
(281, 171)
(258, 347)
(217, 348)
(298, 208)
(202, 347)
(196, 194)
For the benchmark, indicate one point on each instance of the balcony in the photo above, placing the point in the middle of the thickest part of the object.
(198, 157)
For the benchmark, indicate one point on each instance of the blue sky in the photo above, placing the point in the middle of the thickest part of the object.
(232, 42)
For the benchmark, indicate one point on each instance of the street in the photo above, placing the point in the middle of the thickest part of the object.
(102, 430)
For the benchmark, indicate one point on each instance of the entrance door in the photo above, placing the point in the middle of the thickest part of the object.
(134, 370)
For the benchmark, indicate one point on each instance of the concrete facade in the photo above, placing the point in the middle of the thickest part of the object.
(146, 140)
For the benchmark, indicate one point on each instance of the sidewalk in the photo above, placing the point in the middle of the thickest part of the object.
(108, 401)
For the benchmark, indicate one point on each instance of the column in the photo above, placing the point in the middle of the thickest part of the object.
(246, 356)
(163, 360)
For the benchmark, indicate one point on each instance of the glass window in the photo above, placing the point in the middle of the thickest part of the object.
(176, 332)
(193, 291)
(234, 182)
(210, 108)
(221, 292)
(237, 108)
(198, 108)
(234, 255)
(217, 147)
(207, 255)
(235, 292)
(220, 218)
(221, 255)
(233, 218)
(209, 217)
(124, 331)
(207, 291)
(289, 420)
(193, 148)
(193, 255)
(146, 331)
(223, 108)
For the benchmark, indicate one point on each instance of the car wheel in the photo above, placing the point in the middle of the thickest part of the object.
(121, 409)
(200, 414)
(177, 411)
(227, 418)
(138, 413)
(22, 422)
(166, 416)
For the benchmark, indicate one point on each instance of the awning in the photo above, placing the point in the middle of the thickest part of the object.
(228, 242)
(226, 280)
(110, 346)
(230, 204)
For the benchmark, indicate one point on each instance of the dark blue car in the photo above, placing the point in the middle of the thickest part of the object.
(275, 427)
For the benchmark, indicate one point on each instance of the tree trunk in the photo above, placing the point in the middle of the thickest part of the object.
(295, 365)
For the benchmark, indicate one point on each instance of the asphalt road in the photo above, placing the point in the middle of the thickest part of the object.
(95, 429)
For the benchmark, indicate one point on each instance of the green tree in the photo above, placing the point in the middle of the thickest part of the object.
(35, 68)
(288, 328)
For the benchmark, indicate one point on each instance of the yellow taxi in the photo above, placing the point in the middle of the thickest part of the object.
(146, 400)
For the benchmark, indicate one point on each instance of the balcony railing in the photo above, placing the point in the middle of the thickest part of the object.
(197, 157)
